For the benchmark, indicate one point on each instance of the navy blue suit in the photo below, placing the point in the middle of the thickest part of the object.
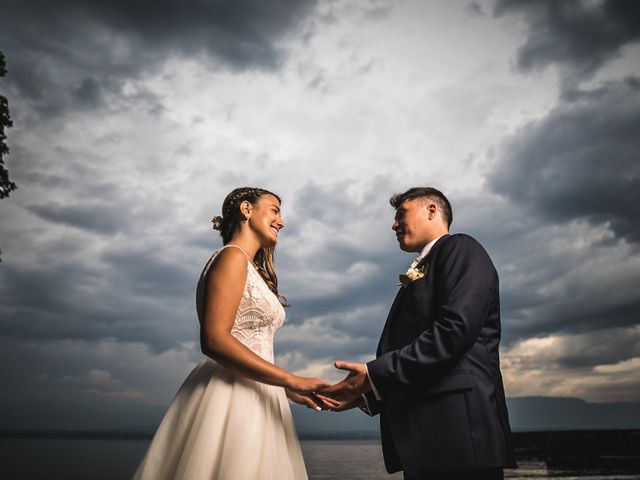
(442, 407)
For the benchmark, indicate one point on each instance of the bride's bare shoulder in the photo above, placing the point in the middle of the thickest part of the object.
(230, 262)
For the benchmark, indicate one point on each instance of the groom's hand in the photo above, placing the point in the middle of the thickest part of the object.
(352, 386)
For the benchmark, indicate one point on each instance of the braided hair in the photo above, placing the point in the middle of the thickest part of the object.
(232, 217)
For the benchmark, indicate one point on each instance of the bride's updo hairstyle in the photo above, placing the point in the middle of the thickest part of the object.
(230, 221)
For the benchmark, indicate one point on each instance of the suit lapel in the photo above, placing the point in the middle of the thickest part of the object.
(396, 301)
(387, 323)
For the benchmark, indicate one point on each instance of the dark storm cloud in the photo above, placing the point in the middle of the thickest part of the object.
(578, 165)
(89, 93)
(475, 8)
(581, 36)
(96, 218)
(147, 273)
(590, 310)
(114, 298)
(587, 312)
(606, 347)
(582, 161)
(78, 384)
(52, 46)
(339, 208)
(557, 275)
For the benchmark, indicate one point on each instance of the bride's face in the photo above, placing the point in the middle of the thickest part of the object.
(265, 220)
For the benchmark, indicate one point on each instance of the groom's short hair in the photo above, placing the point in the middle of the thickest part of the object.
(425, 192)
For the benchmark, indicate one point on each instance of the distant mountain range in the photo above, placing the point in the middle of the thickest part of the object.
(560, 413)
(526, 414)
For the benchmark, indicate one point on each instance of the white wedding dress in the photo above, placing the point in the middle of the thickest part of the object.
(224, 426)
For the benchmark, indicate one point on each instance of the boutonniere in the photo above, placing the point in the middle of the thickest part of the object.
(412, 274)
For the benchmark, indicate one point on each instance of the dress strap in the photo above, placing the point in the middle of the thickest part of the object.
(237, 246)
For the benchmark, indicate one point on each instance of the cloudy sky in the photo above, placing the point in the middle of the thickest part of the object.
(132, 122)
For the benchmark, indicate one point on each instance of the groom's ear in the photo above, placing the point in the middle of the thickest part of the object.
(432, 210)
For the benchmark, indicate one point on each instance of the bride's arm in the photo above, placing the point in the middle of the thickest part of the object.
(224, 285)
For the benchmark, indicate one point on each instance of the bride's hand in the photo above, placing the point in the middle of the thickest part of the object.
(309, 399)
(304, 385)
(340, 406)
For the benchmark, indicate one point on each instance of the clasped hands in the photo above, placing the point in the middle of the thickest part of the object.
(343, 395)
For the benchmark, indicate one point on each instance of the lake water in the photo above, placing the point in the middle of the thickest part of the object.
(70, 459)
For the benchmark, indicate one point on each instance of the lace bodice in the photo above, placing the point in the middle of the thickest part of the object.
(259, 314)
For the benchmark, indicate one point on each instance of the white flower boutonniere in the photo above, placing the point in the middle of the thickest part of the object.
(412, 274)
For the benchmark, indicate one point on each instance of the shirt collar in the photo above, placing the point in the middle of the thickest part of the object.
(427, 248)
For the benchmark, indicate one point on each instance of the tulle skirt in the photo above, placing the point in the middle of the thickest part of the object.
(224, 427)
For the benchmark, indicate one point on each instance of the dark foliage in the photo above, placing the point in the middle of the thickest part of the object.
(6, 185)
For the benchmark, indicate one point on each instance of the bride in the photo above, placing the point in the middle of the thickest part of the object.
(230, 420)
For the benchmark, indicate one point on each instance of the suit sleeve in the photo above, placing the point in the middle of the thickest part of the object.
(372, 404)
(468, 282)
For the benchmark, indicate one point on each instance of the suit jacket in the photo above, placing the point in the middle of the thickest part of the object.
(442, 407)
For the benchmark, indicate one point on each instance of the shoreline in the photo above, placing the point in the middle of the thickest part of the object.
(528, 439)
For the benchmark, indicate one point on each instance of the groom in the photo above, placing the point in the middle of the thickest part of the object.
(436, 381)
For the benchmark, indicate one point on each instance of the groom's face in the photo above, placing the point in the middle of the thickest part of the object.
(412, 225)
